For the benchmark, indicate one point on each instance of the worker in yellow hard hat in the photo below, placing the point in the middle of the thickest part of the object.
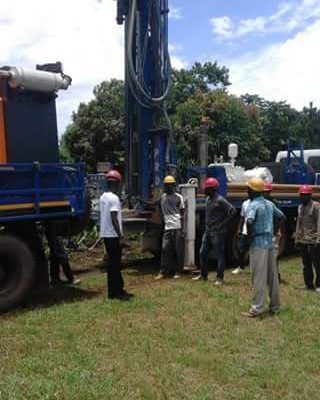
(261, 215)
(256, 185)
(172, 252)
(169, 180)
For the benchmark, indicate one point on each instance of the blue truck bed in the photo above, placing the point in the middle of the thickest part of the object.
(34, 191)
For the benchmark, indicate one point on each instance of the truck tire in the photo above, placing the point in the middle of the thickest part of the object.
(17, 271)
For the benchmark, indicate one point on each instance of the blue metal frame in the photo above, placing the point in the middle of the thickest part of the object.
(297, 173)
(147, 143)
(35, 183)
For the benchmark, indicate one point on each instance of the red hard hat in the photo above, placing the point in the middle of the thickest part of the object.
(211, 183)
(113, 175)
(267, 187)
(305, 189)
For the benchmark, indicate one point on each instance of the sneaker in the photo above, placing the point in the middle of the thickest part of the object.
(200, 278)
(176, 276)
(159, 276)
(305, 287)
(75, 282)
(318, 289)
(219, 282)
(251, 314)
(237, 271)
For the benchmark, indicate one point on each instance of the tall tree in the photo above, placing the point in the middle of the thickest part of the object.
(199, 78)
(97, 129)
(229, 120)
(280, 123)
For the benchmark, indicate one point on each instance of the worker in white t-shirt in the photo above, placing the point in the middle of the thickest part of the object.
(111, 231)
(242, 239)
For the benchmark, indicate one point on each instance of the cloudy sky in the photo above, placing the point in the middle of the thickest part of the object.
(270, 46)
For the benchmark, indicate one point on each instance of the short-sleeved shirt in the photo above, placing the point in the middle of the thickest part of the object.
(243, 213)
(308, 223)
(171, 206)
(263, 212)
(109, 202)
(218, 209)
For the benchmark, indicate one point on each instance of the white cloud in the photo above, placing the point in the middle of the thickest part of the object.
(82, 34)
(286, 18)
(286, 71)
(178, 62)
(222, 26)
(175, 13)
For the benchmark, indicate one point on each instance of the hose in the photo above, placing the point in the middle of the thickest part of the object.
(138, 89)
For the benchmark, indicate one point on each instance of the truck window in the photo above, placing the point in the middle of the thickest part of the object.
(315, 163)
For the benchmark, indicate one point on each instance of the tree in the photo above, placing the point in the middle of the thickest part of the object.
(280, 122)
(200, 78)
(229, 119)
(310, 121)
(97, 129)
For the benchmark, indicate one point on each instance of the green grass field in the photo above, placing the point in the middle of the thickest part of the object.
(175, 340)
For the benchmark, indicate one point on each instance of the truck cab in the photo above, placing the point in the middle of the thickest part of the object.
(36, 190)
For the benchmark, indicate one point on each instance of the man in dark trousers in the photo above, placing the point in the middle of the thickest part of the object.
(243, 244)
(172, 209)
(112, 233)
(218, 213)
(308, 237)
(58, 257)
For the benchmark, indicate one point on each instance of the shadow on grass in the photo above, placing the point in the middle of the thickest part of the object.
(58, 295)
(140, 266)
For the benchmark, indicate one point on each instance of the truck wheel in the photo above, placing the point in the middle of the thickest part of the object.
(17, 271)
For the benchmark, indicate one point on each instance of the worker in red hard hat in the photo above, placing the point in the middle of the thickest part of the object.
(267, 188)
(308, 237)
(111, 231)
(113, 175)
(218, 213)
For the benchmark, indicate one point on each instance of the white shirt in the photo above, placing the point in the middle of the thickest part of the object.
(243, 213)
(109, 202)
(171, 205)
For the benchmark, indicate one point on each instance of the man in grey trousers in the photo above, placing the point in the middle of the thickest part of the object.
(260, 216)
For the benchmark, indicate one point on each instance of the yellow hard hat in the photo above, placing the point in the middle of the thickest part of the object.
(256, 184)
(169, 179)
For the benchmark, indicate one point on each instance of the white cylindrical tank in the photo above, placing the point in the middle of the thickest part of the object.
(233, 150)
(260, 172)
(188, 192)
(38, 81)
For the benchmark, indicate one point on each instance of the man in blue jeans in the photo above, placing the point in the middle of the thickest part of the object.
(218, 213)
